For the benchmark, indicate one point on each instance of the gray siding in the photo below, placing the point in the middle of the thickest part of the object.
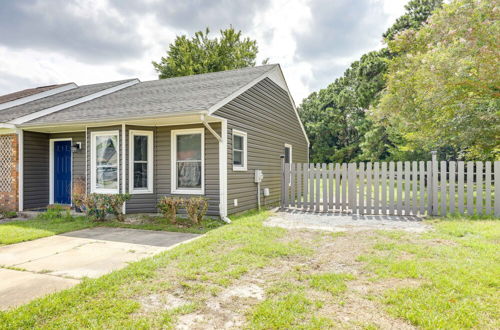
(78, 160)
(36, 165)
(163, 161)
(266, 114)
(36, 170)
(146, 203)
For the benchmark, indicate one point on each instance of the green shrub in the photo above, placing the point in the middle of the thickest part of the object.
(98, 206)
(8, 214)
(115, 205)
(56, 211)
(196, 208)
(168, 207)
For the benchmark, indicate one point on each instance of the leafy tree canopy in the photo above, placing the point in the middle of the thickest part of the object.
(337, 118)
(201, 54)
(444, 90)
(417, 12)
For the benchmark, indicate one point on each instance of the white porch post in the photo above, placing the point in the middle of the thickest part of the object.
(20, 169)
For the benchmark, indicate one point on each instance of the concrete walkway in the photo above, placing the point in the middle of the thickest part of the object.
(33, 269)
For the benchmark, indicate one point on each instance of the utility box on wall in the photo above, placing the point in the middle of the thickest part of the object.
(259, 176)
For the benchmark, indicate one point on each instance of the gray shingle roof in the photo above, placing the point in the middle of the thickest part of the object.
(27, 92)
(159, 97)
(53, 100)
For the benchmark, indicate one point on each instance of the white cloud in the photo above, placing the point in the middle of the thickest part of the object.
(313, 40)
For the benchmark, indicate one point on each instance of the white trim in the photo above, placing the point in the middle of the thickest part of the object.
(37, 96)
(86, 145)
(223, 155)
(51, 170)
(276, 75)
(124, 169)
(173, 161)
(93, 188)
(20, 169)
(59, 107)
(289, 146)
(150, 162)
(244, 135)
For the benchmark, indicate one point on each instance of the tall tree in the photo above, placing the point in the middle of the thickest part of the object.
(201, 54)
(443, 92)
(337, 118)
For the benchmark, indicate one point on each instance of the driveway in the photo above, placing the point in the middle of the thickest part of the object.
(293, 219)
(33, 269)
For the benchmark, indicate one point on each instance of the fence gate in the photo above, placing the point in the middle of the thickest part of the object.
(401, 188)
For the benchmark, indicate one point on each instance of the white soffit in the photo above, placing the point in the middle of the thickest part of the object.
(37, 96)
(63, 106)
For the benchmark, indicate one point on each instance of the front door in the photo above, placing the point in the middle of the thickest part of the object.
(62, 172)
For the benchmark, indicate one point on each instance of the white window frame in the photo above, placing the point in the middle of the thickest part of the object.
(242, 167)
(289, 146)
(93, 136)
(173, 162)
(131, 162)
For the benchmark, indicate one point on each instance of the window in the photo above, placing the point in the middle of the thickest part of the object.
(141, 161)
(105, 160)
(239, 151)
(288, 153)
(188, 161)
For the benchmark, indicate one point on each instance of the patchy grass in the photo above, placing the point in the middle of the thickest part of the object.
(251, 276)
(55, 222)
(458, 267)
(330, 282)
(20, 231)
(202, 267)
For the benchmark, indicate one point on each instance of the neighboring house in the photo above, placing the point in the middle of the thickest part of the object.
(197, 135)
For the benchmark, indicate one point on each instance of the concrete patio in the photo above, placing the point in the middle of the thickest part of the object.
(33, 269)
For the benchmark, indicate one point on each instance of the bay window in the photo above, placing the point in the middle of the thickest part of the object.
(140, 162)
(105, 161)
(188, 161)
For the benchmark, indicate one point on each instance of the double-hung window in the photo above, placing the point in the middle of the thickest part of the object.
(105, 160)
(188, 161)
(288, 153)
(239, 150)
(140, 162)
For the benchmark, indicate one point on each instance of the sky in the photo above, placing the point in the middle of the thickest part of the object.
(44, 42)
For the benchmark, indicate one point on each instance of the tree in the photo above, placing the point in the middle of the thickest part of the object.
(338, 118)
(200, 54)
(417, 12)
(443, 92)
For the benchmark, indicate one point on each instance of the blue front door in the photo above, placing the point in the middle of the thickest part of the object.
(62, 172)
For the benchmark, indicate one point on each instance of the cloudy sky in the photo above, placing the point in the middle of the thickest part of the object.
(44, 42)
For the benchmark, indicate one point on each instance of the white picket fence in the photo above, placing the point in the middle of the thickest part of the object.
(401, 188)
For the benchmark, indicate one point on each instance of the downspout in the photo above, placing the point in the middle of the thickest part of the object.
(124, 161)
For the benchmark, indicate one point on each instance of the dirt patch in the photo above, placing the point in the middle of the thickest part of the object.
(220, 307)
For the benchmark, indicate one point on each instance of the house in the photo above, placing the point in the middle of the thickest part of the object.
(197, 135)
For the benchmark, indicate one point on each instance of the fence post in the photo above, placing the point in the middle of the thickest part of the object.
(434, 181)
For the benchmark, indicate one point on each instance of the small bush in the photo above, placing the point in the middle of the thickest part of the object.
(94, 206)
(115, 205)
(168, 207)
(56, 211)
(98, 206)
(196, 208)
(7, 214)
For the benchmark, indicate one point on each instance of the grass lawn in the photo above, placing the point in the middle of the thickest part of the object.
(247, 275)
(54, 222)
